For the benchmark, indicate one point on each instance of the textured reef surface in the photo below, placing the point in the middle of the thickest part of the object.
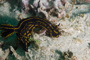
(72, 18)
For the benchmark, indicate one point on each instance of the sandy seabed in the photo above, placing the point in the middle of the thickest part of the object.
(73, 44)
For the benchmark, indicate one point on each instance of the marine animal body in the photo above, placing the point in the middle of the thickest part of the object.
(25, 28)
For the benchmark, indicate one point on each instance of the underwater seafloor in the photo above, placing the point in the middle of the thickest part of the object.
(73, 18)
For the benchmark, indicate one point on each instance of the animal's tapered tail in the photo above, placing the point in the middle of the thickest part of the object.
(8, 30)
